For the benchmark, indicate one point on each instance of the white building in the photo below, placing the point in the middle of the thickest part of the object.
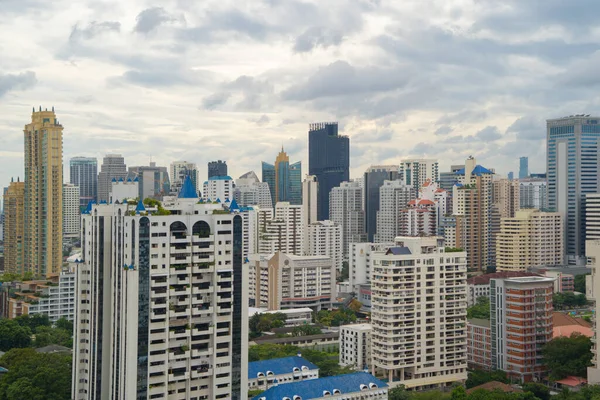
(250, 191)
(533, 193)
(280, 229)
(282, 281)
(218, 188)
(592, 288)
(394, 196)
(360, 262)
(325, 239)
(346, 208)
(418, 171)
(71, 211)
(355, 346)
(158, 312)
(310, 189)
(265, 374)
(419, 313)
(123, 189)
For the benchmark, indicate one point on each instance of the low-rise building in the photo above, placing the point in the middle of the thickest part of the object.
(355, 346)
(294, 316)
(327, 340)
(562, 282)
(479, 286)
(479, 344)
(265, 374)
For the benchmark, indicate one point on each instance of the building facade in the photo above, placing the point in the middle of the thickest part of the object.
(265, 374)
(217, 168)
(280, 229)
(310, 191)
(533, 193)
(479, 344)
(113, 167)
(355, 346)
(328, 161)
(250, 191)
(479, 285)
(425, 350)
(394, 197)
(284, 179)
(178, 170)
(373, 180)
(14, 228)
(218, 188)
(43, 194)
(592, 216)
(346, 209)
(523, 167)
(592, 288)
(325, 239)
(418, 171)
(154, 181)
(361, 262)
(71, 211)
(84, 174)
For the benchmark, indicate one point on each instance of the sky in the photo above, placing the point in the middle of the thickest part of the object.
(204, 80)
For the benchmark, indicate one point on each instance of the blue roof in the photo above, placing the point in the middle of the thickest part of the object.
(316, 388)
(234, 205)
(219, 178)
(397, 251)
(218, 200)
(114, 179)
(187, 189)
(140, 207)
(136, 179)
(88, 209)
(278, 366)
(477, 171)
(120, 179)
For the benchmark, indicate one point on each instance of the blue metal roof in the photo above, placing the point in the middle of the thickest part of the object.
(317, 388)
(278, 366)
(187, 189)
(233, 206)
(477, 171)
(140, 207)
(399, 251)
(220, 178)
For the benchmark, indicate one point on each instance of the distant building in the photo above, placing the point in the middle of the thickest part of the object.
(218, 188)
(284, 179)
(448, 179)
(592, 288)
(533, 193)
(373, 180)
(14, 227)
(71, 211)
(511, 176)
(479, 344)
(346, 209)
(355, 346)
(124, 189)
(280, 229)
(479, 285)
(178, 170)
(361, 262)
(250, 191)
(154, 181)
(294, 316)
(113, 167)
(325, 239)
(266, 374)
(217, 168)
(310, 191)
(84, 173)
(523, 167)
(423, 215)
(562, 282)
(418, 171)
(394, 196)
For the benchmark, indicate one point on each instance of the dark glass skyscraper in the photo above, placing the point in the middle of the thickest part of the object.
(328, 160)
(217, 168)
(374, 178)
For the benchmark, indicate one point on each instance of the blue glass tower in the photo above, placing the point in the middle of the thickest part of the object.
(572, 168)
(328, 160)
(523, 167)
(284, 179)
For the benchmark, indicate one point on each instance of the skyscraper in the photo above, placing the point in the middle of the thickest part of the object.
(328, 160)
(43, 194)
(346, 209)
(448, 179)
(373, 180)
(284, 179)
(84, 174)
(573, 160)
(418, 171)
(113, 167)
(217, 168)
(394, 197)
(511, 176)
(71, 211)
(523, 167)
(178, 170)
(154, 181)
(310, 189)
(14, 224)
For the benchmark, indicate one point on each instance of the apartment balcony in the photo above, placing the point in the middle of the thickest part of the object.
(153, 369)
(158, 346)
(179, 334)
(179, 358)
(181, 249)
(180, 260)
(181, 269)
(201, 267)
(175, 291)
(181, 376)
(202, 352)
(203, 258)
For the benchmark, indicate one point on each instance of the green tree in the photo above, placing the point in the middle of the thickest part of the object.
(478, 377)
(264, 322)
(580, 283)
(566, 356)
(355, 305)
(345, 272)
(46, 335)
(459, 393)
(540, 391)
(481, 308)
(398, 393)
(33, 321)
(306, 330)
(13, 335)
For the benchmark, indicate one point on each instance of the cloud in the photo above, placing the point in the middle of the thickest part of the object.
(443, 130)
(488, 134)
(11, 82)
(215, 100)
(528, 128)
(316, 36)
(151, 18)
(93, 29)
(263, 120)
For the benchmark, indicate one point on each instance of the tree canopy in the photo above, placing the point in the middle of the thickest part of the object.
(337, 317)
(481, 308)
(580, 283)
(264, 322)
(568, 300)
(565, 356)
(479, 377)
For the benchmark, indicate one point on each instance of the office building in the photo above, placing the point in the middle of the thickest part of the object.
(328, 161)
(361, 262)
(394, 197)
(479, 344)
(217, 168)
(521, 321)
(418, 171)
(419, 336)
(533, 193)
(71, 211)
(14, 227)
(573, 169)
(154, 181)
(178, 170)
(448, 179)
(356, 386)
(250, 191)
(373, 180)
(218, 188)
(310, 189)
(113, 167)
(284, 281)
(532, 238)
(284, 179)
(325, 239)
(523, 167)
(346, 209)
(265, 374)
(592, 288)
(84, 174)
(355, 346)
(511, 176)
(164, 313)
(43, 194)
(280, 229)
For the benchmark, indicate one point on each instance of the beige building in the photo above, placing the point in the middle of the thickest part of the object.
(280, 229)
(14, 224)
(355, 346)
(505, 203)
(43, 194)
(531, 239)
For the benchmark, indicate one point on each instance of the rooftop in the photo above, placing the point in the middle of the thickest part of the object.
(279, 366)
(485, 323)
(495, 385)
(220, 178)
(485, 279)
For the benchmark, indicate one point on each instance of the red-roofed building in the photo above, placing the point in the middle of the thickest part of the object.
(479, 286)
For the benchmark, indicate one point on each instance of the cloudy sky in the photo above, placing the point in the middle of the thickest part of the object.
(201, 80)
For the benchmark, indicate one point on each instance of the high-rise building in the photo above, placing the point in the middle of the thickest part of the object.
(43, 194)
(511, 175)
(423, 216)
(418, 171)
(394, 197)
(84, 174)
(533, 193)
(592, 216)
(218, 188)
(419, 336)
(310, 189)
(505, 203)
(346, 209)
(14, 227)
(521, 320)
(71, 211)
(355, 346)
(153, 181)
(325, 239)
(113, 167)
(592, 289)
(531, 238)
(178, 170)
(328, 160)
(361, 262)
(280, 229)
(373, 181)
(572, 164)
(448, 179)
(164, 314)
(217, 168)
(250, 191)
(523, 167)
(284, 179)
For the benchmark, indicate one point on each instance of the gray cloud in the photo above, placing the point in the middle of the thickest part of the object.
(215, 100)
(317, 36)
(263, 120)
(443, 130)
(93, 29)
(528, 128)
(151, 18)
(22, 81)
(488, 134)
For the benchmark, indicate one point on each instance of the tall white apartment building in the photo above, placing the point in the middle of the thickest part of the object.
(592, 216)
(310, 189)
(418, 171)
(360, 263)
(283, 281)
(325, 239)
(592, 288)
(250, 191)
(419, 308)
(533, 193)
(71, 211)
(346, 208)
(218, 188)
(280, 229)
(161, 309)
(394, 197)
(355, 346)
